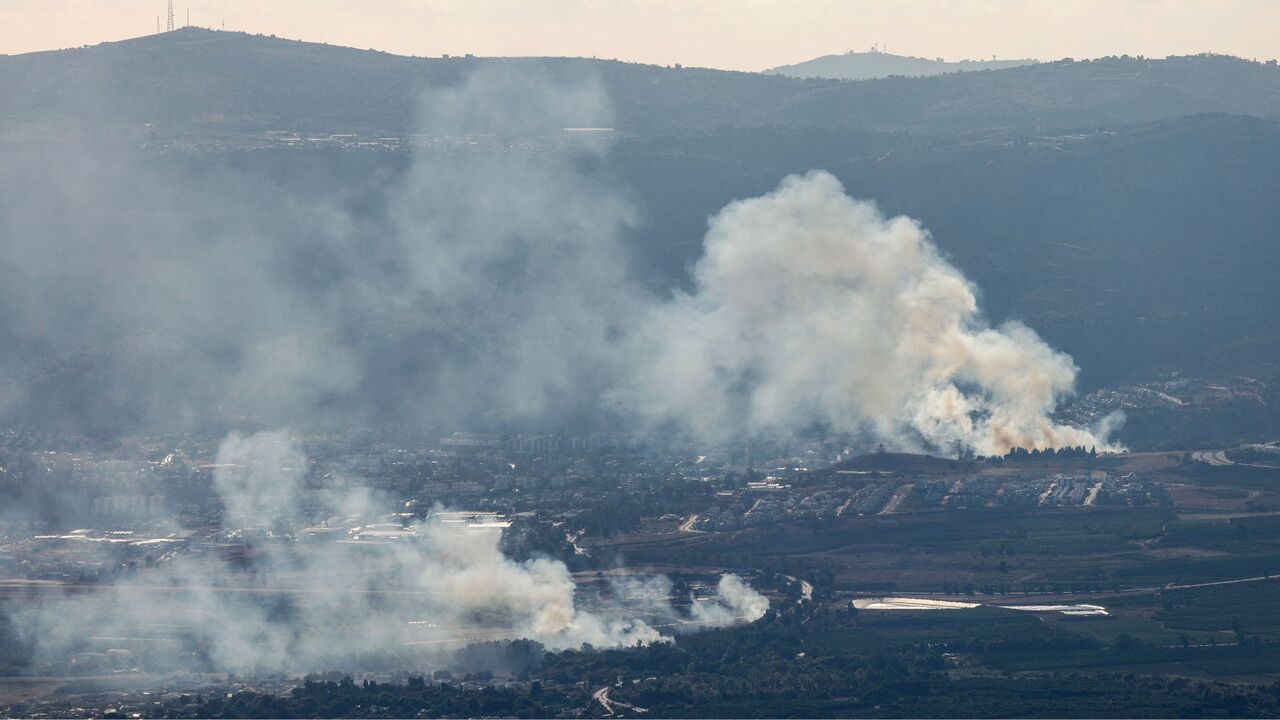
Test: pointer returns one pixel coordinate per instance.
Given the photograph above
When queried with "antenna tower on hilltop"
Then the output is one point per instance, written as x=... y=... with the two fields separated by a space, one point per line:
x=170 y=26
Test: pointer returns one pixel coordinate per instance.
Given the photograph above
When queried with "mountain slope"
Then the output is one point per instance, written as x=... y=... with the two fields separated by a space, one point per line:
x=209 y=82
x=1132 y=248
x=1144 y=237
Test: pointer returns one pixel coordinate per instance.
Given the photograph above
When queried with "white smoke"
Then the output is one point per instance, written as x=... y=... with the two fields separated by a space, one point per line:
x=258 y=479
x=356 y=586
x=491 y=288
x=508 y=266
x=812 y=307
x=517 y=248
x=735 y=601
x=441 y=290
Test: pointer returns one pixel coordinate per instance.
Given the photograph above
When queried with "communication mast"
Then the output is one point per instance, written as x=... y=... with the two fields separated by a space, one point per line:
x=170 y=27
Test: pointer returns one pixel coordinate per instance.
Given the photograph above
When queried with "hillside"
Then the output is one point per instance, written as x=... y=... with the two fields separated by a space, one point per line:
x=1120 y=246
x=210 y=82
x=1142 y=241
x=873 y=65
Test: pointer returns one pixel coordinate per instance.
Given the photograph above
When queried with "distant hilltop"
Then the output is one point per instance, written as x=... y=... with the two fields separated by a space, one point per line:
x=202 y=83
x=876 y=64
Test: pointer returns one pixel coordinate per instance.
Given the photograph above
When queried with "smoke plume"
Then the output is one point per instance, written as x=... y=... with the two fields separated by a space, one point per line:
x=734 y=601
x=810 y=307
x=361 y=584
x=484 y=283
x=153 y=291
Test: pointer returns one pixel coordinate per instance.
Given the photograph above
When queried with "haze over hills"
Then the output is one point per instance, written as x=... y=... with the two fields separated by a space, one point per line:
x=1116 y=245
x=341 y=384
x=195 y=80
x=877 y=64
x=1088 y=199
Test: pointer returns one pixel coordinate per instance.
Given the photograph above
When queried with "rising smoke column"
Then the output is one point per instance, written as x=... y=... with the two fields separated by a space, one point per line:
x=490 y=288
x=811 y=307
x=517 y=249
x=438 y=287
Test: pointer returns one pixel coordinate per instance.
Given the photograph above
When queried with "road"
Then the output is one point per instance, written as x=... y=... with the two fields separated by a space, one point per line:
x=1217 y=457
x=1257 y=578
x=602 y=696
x=910 y=603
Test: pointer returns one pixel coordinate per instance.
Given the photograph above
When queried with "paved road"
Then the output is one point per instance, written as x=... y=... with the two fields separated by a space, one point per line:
x=1219 y=458
x=602 y=696
x=1258 y=578
x=1172 y=585
x=1216 y=457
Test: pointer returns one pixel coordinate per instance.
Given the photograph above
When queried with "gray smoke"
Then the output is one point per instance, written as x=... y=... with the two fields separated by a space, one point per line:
x=152 y=291
x=812 y=307
x=360 y=583
x=487 y=284
x=523 y=243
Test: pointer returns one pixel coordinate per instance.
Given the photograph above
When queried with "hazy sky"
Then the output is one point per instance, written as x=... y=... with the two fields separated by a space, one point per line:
x=737 y=34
